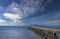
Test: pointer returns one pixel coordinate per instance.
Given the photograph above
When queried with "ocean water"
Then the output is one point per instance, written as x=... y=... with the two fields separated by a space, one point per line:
x=16 y=32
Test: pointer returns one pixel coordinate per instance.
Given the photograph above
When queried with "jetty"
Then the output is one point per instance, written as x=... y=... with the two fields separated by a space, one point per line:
x=45 y=33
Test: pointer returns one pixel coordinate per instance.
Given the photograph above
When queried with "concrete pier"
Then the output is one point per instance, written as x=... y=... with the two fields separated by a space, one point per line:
x=45 y=33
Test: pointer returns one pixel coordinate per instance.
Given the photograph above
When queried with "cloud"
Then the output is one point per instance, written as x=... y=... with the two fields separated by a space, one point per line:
x=13 y=17
x=14 y=8
x=28 y=7
x=52 y=23
x=1 y=20
x=13 y=13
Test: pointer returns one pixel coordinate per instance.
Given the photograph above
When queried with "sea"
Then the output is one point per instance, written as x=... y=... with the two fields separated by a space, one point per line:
x=16 y=32
x=20 y=32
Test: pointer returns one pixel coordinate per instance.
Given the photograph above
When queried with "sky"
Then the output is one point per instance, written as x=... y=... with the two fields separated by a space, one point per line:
x=26 y=12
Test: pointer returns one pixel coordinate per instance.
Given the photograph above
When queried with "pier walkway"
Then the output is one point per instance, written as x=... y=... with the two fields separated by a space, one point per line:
x=45 y=33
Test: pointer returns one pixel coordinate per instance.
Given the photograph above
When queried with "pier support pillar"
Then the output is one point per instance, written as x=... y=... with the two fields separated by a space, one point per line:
x=48 y=35
x=54 y=35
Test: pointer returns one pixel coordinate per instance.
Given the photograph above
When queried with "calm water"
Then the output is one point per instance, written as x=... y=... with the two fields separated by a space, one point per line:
x=16 y=33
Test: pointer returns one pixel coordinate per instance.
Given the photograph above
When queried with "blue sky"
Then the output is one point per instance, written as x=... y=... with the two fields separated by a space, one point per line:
x=26 y=12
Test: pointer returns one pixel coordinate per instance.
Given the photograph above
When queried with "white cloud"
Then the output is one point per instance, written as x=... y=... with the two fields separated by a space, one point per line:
x=13 y=13
x=1 y=20
x=30 y=7
x=16 y=12
x=15 y=9
x=13 y=17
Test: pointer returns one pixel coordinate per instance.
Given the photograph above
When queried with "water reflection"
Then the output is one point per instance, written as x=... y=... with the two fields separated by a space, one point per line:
x=17 y=34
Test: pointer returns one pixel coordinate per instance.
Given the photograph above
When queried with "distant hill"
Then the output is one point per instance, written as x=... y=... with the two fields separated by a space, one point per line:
x=35 y=25
x=44 y=26
x=38 y=25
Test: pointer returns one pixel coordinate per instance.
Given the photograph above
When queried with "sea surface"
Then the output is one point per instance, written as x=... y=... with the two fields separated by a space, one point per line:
x=16 y=32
